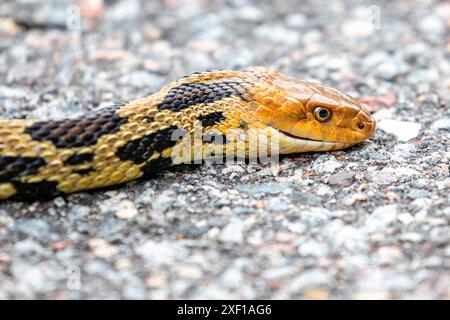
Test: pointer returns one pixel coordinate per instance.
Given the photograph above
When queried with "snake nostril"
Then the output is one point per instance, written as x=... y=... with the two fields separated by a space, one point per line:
x=361 y=125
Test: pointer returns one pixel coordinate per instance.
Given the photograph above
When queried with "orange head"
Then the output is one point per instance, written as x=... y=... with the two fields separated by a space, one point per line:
x=310 y=116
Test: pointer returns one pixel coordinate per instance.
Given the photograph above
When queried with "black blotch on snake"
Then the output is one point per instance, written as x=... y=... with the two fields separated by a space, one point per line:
x=79 y=158
x=35 y=191
x=84 y=172
x=77 y=132
x=14 y=167
x=141 y=149
x=189 y=94
x=156 y=165
x=211 y=119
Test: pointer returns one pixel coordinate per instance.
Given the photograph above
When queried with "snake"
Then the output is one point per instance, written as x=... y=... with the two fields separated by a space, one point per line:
x=225 y=110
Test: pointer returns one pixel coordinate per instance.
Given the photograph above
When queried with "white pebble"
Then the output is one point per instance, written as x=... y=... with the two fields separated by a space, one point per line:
x=233 y=232
x=403 y=130
x=126 y=210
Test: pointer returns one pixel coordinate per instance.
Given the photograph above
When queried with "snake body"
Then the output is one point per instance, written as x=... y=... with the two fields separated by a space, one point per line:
x=42 y=159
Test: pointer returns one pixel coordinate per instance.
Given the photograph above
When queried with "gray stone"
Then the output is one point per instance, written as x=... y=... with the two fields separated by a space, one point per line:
x=417 y=193
x=432 y=24
x=402 y=130
x=163 y=201
x=342 y=179
x=259 y=190
x=233 y=231
x=383 y=177
x=391 y=68
x=381 y=217
x=312 y=248
x=305 y=197
x=324 y=190
x=329 y=166
x=295 y=20
x=134 y=292
x=36 y=228
x=166 y=252
x=441 y=124
x=278 y=204
x=308 y=279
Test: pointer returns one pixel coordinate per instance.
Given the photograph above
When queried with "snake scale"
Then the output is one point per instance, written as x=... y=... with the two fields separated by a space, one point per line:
x=44 y=159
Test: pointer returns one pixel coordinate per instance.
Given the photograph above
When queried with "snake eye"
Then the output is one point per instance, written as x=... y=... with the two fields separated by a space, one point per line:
x=322 y=114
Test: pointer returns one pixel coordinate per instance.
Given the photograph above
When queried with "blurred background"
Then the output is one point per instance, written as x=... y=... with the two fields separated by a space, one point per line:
x=372 y=222
x=123 y=49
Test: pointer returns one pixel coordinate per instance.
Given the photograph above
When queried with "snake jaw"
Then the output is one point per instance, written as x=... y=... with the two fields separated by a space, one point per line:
x=289 y=143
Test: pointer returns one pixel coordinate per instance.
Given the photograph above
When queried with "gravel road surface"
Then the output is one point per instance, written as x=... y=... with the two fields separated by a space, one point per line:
x=372 y=221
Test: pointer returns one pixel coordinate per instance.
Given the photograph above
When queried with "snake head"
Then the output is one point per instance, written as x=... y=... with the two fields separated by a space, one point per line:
x=312 y=117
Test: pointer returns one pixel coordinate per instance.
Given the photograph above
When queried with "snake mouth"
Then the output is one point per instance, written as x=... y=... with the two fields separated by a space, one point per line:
x=290 y=143
x=290 y=135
